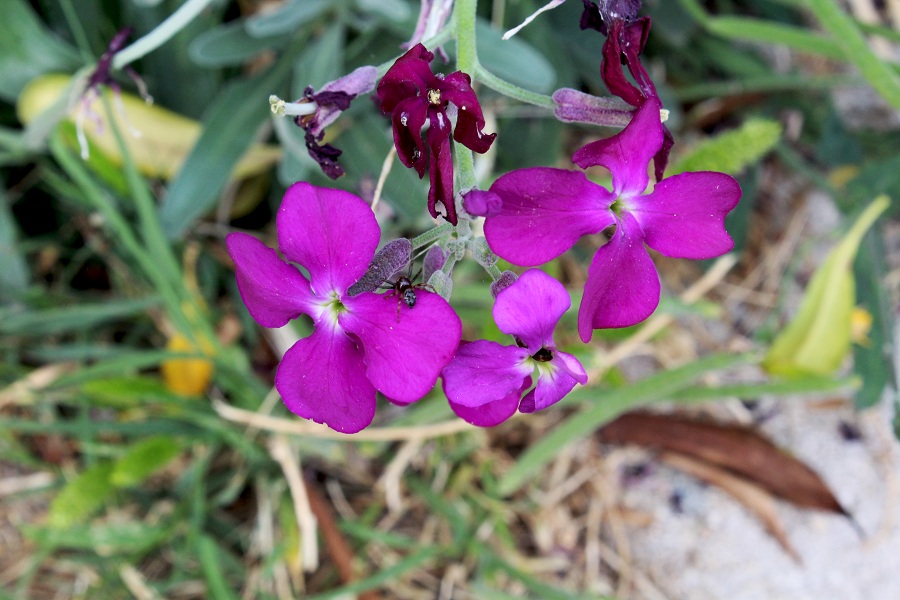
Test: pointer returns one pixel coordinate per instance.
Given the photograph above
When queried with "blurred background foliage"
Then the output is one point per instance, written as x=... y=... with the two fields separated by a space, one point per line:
x=130 y=372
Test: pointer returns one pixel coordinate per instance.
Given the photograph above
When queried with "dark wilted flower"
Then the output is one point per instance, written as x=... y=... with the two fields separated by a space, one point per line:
x=317 y=110
x=411 y=93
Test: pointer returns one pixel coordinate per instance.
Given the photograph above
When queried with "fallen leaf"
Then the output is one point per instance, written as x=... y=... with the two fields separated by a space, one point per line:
x=739 y=450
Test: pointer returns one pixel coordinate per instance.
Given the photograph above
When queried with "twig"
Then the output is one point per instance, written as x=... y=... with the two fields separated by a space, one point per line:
x=136 y=584
x=282 y=452
x=22 y=391
x=309 y=429
x=385 y=171
x=394 y=471
x=15 y=485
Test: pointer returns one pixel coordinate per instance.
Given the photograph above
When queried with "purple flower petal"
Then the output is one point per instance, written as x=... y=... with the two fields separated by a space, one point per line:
x=274 y=291
x=492 y=413
x=410 y=75
x=405 y=348
x=408 y=119
x=552 y=385
x=457 y=88
x=622 y=287
x=571 y=365
x=684 y=216
x=440 y=168
x=360 y=81
x=624 y=42
x=544 y=212
x=323 y=378
x=530 y=309
x=330 y=232
x=483 y=372
x=627 y=153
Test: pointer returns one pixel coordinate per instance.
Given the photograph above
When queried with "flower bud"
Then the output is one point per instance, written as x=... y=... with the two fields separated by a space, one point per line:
x=387 y=261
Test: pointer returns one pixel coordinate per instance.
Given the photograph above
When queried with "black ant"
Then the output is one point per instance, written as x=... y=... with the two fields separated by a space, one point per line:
x=405 y=289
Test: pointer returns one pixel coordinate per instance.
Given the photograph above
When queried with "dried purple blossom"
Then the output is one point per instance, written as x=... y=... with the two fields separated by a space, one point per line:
x=316 y=110
x=411 y=93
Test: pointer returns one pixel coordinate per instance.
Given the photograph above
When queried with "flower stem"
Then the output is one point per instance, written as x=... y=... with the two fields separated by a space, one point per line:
x=431 y=236
x=511 y=90
x=161 y=34
x=466 y=49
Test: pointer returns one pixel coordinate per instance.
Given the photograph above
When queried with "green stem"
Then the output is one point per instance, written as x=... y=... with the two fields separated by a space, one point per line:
x=466 y=46
x=431 y=236
x=511 y=90
x=77 y=30
x=162 y=33
x=464 y=169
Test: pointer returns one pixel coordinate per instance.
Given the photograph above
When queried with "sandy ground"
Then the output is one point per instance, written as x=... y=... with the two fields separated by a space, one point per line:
x=702 y=544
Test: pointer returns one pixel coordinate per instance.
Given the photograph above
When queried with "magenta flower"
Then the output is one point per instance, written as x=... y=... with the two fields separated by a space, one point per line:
x=545 y=211
x=410 y=93
x=360 y=344
x=485 y=380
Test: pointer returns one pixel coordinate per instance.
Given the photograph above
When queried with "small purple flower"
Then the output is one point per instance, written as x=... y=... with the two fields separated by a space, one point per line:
x=360 y=344
x=410 y=93
x=485 y=380
x=545 y=211
x=316 y=110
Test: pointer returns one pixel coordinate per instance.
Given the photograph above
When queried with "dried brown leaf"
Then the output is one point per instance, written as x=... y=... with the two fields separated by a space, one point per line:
x=736 y=449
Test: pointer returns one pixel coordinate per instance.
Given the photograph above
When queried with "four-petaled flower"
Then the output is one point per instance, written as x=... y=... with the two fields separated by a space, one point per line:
x=410 y=93
x=545 y=211
x=485 y=380
x=360 y=344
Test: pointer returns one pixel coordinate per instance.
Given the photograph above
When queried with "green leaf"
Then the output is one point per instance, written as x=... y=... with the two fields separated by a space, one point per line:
x=81 y=496
x=14 y=275
x=767 y=32
x=605 y=406
x=873 y=362
x=818 y=338
x=28 y=50
x=128 y=392
x=105 y=539
x=143 y=459
x=321 y=61
x=217 y=587
x=394 y=572
x=287 y=18
x=733 y=151
x=227 y=133
x=70 y=318
x=857 y=50
x=514 y=60
x=230 y=44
